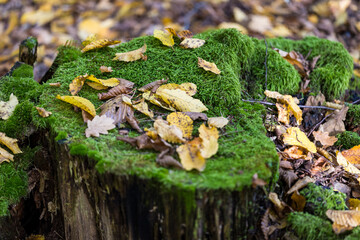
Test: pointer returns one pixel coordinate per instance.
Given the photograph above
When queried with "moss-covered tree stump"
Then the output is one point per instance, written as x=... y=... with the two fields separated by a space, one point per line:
x=109 y=190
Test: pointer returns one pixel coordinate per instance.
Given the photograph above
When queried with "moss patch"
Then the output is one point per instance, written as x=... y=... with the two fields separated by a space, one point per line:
x=24 y=71
x=353 y=115
x=347 y=140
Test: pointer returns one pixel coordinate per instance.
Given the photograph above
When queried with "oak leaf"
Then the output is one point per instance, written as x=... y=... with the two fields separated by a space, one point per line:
x=209 y=141
x=169 y=133
x=208 y=66
x=165 y=37
x=343 y=220
x=192 y=43
x=190 y=156
x=218 y=122
x=99 y=44
x=80 y=102
x=42 y=112
x=11 y=143
x=352 y=155
x=324 y=138
x=7 y=108
x=295 y=137
x=182 y=121
x=99 y=125
x=335 y=123
x=131 y=55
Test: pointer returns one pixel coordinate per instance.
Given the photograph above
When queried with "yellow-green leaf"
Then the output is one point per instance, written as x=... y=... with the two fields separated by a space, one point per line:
x=80 y=102
x=99 y=44
x=165 y=37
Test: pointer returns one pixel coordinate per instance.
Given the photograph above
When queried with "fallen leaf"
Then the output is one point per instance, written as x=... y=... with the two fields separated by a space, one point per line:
x=5 y=156
x=57 y=84
x=301 y=183
x=298 y=201
x=131 y=55
x=335 y=123
x=197 y=116
x=208 y=66
x=97 y=86
x=190 y=156
x=157 y=100
x=89 y=39
x=179 y=100
x=11 y=143
x=99 y=125
x=354 y=204
x=192 y=43
x=218 y=122
x=115 y=91
x=182 y=121
x=7 y=108
x=169 y=133
x=295 y=152
x=86 y=116
x=42 y=112
x=145 y=142
x=76 y=84
x=166 y=160
x=99 y=44
x=324 y=138
x=80 y=102
x=153 y=85
x=257 y=182
x=343 y=220
x=165 y=37
x=111 y=82
x=104 y=69
x=352 y=155
x=294 y=59
x=283 y=113
x=185 y=34
x=209 y=141
x=295 y=137
x=143 y=108
x=189 y=88
x=342 y=161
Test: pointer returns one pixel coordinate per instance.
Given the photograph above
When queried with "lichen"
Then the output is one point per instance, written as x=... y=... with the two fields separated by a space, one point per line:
x=347 y=140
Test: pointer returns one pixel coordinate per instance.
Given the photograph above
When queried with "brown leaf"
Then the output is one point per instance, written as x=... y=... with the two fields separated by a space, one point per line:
x=335 y=123
x=152 y=85
x=115 y=91
x=256 y=181
x=294 y=59
x=324 y=138
x=166 y=160
x=131 y=55
x=185 y=34
x=298 y=201
x=300 y=184
x=57 y=84
x=145 y=142
x=197 y=116
x=99 y=44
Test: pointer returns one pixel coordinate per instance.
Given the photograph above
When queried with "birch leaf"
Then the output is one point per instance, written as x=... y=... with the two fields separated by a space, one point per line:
x=192 y=43
x=99 y=44
x=7 y=108
x=208 y=66
x=295 y=137
x=182 y=121
x=181 y=101
x=11 y=143
x=96 y=86
x=111 y=82
x=80 y=102
x=99 y=125
x=209 y=141
x=190 y=156
x=171 y=134
x=165 y=37
x=131 y=55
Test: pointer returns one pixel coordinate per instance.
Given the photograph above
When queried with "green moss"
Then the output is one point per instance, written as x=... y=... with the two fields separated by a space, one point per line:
x=31 y=42
x=310 y=227
x=67 y=54
x=347 y=139
x=320 y=199
x=24 y=71
x=61 y=136
x=353 y=115
x=355 y=234
x=79 y=149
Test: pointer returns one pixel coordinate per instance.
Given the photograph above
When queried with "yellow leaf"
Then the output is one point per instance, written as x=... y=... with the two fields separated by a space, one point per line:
x=181 y=101
x=91 y=38
x=283 y=113
x=189 y=88
x=352 y=155
x=151 y=132
x=190 y=156
x=157 y=100
x=7 y=108
x=192 y=43
x=80 y=102
x=171 y=134
x=99 y=44
x=111 y=82
x=5 y=156
x=143 y=108
x=97 y=86
x=182 y=121
x=209 y=141
x=354 y=204
x=295 y=152
x=343 y=220
x=131 y=55
x=11 y=143
x=295 y=137
x=342 y=161
x=42 y=112
x=76 y=84
x=165 y=37
x=218 y=122
x=208 y=66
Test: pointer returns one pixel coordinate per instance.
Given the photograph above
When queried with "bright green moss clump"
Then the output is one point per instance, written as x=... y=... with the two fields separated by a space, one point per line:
x=24 y=71
x=347 y=140
x=353 y=115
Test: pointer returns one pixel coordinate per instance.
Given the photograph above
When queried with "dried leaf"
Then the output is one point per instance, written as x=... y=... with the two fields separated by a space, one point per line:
x=301 y=183
x=298 y=201
x=182 y=121
x=143 y=108
x=343 y=220
x=80 y=102
x=96 y=86
x=218 y=122
x=257 y=182
x=166 y=160
x=195 y=116
x=294 y=59
x=165 y=37
x=208 y=66
x=89 y=39
x=190 y=156
x=179 y=100
x=99 y=125
x=5 y=156
x=192 y=43
x=115 y=91
x=42 y=112
x=152 y=85
x=283 y=113
x=145 y=142
x=335 y=123
x=11 y=143
x=189 y=88
x=295 y=137
x=295 y=152
x=171 y=134
x=209 y=140
x=7 y=108
x=354 y=204
x=76 y=84
x=185 y=34
x=111 y=82
x=352 y=155
x=324 y=138
x=131 y=55
x=342 y=161
x=99 y=44
x=104 y=69
x=157 y=100
x=116 y=109
x=57 y=84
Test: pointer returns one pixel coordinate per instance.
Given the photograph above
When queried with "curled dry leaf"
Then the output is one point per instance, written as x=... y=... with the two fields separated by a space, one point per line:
x=185 y=34
x=218 y=122
x=7 y=108
x=131 y=55
x=99 y=44
x=11 y=143
x=169 y=133
x=79 y=102
x=99 y=125
x=301 y=183
x=324 y=138
x=76 y=84
x=209 y=141
x=294 y=59
x=295 y=152
x=57 y=84
x=190 y=156
x=208 y=66
x=182 y=121
x=192 y=43
x=197 y=116
x=104 y=69
x=343 y=220
x=42 y=112
x=5 y=156
x=166 y=160
x=115 y=91
x=89 y=39
x=152 y=85
x=348 y=167
x=165 y=37
x=295 y=137
x=335 y=123
x=145 y=142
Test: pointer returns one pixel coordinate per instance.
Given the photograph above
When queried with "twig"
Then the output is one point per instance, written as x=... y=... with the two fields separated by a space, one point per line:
x=318 y=124
x=355 y=102
x=301 y=106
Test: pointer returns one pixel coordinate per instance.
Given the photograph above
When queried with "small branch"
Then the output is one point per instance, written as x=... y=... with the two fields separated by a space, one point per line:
x=356 y=102
x=300 y=106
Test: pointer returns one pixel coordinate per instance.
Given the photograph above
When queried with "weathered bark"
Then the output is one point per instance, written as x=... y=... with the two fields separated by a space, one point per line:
x=109 y=206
